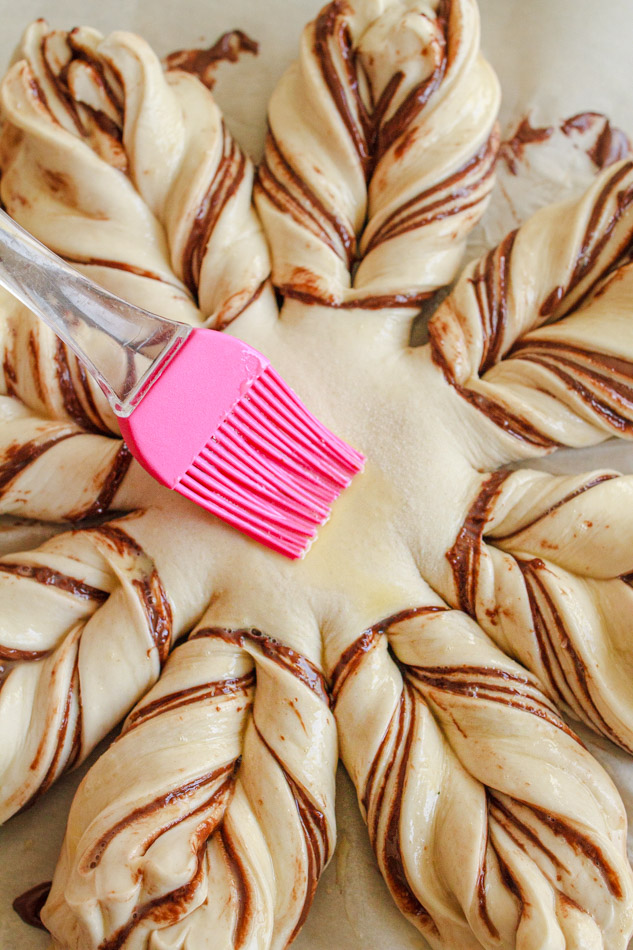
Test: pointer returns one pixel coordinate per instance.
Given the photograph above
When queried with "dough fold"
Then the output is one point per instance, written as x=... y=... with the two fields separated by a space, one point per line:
x=491 y=823
x=380 y=154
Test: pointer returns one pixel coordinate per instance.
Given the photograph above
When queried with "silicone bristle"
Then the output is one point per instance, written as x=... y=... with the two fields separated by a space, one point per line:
x=271 y=469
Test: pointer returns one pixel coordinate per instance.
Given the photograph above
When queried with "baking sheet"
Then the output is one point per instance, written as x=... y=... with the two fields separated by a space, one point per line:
x=554 y=58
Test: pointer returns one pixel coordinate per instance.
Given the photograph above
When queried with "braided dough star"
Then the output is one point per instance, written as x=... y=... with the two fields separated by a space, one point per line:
x=449 y=607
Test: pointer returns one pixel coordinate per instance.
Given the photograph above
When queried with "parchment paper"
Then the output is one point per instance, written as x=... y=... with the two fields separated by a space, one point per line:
x=554 y=58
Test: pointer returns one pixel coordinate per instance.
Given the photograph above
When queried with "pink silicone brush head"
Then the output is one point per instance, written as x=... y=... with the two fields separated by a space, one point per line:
x=221 y=427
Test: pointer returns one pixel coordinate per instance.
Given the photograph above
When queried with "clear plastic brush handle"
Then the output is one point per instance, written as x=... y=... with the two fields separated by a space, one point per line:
x=123 y=347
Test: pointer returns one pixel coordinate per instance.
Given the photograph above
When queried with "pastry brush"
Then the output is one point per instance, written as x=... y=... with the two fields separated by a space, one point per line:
x=206 y=414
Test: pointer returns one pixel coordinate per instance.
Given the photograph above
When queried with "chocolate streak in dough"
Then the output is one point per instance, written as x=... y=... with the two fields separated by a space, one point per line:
x=203 y=62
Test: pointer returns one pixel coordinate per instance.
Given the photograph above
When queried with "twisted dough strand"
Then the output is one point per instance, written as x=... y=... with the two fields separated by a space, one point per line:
x=98 y=629
x=544 y=564
x=389 y=117
x=210 y=819
x=98 y=137
x=36 y=455
x=491 y=823
x=38 y=370
x=87 y=183
x=567 y=382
